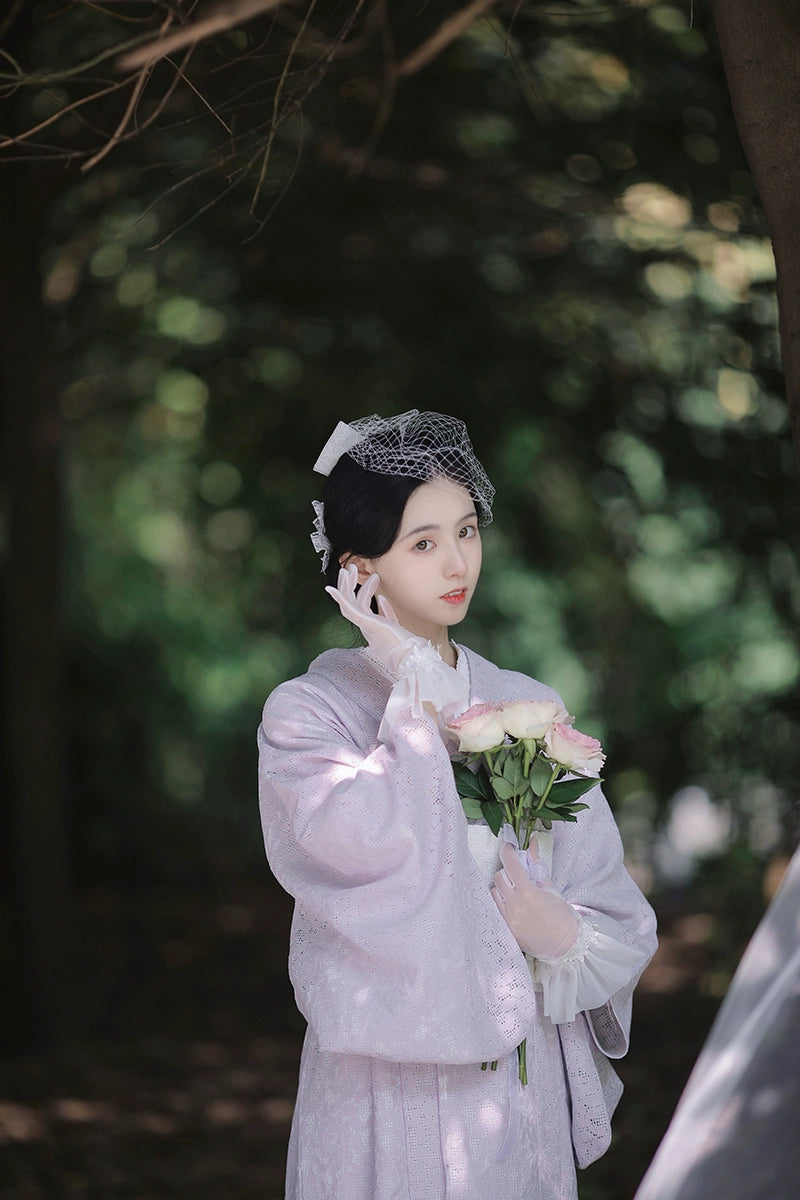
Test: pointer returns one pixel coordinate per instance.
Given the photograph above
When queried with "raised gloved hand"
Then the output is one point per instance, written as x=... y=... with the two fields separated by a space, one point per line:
x=543 y=923
x=428 y=681
x=386 y=637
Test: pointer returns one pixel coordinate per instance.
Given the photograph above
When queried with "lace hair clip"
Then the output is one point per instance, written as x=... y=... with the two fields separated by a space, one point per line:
x=343 y=438
x=319 y=538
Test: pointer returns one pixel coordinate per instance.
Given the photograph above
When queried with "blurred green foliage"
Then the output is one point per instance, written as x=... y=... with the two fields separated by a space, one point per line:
x=557 y=239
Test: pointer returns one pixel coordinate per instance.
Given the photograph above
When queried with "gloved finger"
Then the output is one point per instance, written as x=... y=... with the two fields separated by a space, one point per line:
x=347 y=579
x=539 y=874
x=337 y=595
x=537 y=870
x=499 y=901
x=386 y=610
x=367 y=591
x=508 y=836
x=512 y=867
x=503 y=883
x=511 y=890
x=344 y=592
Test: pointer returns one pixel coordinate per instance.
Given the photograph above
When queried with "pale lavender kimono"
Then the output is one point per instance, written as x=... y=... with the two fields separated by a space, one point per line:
x=407 y=974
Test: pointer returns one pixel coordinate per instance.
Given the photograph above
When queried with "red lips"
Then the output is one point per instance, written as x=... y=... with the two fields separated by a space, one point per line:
x=456 y=597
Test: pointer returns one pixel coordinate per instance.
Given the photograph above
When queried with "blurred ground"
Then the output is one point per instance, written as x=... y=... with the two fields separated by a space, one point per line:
x=185 y=1086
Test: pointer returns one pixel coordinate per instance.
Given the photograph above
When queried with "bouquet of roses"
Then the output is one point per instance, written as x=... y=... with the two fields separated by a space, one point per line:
x=515 y=757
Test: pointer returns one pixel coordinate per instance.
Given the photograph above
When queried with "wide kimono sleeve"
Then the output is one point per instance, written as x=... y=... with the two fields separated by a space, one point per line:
x=397 y=948
x=618 y=927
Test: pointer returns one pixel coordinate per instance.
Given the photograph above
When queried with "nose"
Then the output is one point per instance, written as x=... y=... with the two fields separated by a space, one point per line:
x=456 y=564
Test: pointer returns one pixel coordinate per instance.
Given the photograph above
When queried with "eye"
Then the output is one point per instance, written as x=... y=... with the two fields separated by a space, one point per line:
x=469 y=531
x=424 y=544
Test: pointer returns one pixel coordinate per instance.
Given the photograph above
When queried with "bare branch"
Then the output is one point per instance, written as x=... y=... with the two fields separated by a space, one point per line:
x=447 y=32
x=157 y=111
x=324 y=62
x=275 y=103
x=62 y=112
x=125 y=18
x=39 y=79
x=180 y=75
x=11 y=16
x=316 y=44
x=226 y=16
x=423 y=174
x=281 y=194
x=238 y=175
x=388 y=87
x=116 y=136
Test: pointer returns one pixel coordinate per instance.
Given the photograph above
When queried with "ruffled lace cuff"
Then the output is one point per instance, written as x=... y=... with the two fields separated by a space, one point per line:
x=594 y=968
x=423 y=684
x=418 y=658
x=406 y=660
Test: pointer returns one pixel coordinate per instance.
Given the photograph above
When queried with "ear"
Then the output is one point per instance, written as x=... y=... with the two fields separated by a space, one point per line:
x=364 y=565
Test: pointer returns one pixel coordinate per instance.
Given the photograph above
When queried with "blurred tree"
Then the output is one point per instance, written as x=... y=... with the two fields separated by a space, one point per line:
x=250 y=67
x=759 y=49
x=556 y=237
x=34 y=842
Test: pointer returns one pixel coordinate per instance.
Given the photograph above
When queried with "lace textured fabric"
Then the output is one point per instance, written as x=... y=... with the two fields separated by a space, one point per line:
x=406 y=972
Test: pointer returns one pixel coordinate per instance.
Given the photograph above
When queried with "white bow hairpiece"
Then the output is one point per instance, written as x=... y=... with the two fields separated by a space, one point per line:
x=343 y=438
x=319 y=538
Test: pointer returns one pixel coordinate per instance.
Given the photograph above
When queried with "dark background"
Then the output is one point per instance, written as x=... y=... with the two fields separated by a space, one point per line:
x=549 y=230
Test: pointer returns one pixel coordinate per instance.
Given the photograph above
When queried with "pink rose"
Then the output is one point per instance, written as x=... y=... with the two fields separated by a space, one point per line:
x=479 y=728
x=574 y=750
x=533 y=718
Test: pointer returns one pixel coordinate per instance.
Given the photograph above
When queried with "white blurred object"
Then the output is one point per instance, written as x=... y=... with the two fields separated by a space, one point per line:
x=735 y=1130
x=697 y=828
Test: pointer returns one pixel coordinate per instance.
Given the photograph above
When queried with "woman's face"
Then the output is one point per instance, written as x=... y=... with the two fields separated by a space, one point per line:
x=429 y=574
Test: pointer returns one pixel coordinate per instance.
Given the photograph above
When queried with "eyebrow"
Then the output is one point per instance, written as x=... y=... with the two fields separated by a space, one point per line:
x=431 y=528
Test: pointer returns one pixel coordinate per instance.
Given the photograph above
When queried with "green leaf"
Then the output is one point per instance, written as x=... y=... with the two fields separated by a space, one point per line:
x=540 y=775
x=472 y=785
x=550 y=814
x=570 y=789
x=501 y=787
x=509 y=768
x=499 y=759
x=529 y=796
x=472 y=808
x=493 y=814
x=513 y=773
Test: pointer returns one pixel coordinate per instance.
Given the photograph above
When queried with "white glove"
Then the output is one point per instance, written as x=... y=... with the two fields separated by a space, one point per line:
x=386 y=637
x=543 y=923
x=425 y=680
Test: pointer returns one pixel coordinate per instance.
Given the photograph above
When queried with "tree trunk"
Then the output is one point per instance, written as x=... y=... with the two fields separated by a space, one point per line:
x=34 y=833
x=760 y=45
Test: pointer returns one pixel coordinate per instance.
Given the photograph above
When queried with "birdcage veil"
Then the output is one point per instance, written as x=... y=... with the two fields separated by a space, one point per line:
x=413 y=444
x=420 y=445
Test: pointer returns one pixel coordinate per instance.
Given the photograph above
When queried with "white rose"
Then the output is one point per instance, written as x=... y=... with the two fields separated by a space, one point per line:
x=533 y=718
x=574 y=750
x=479 y=728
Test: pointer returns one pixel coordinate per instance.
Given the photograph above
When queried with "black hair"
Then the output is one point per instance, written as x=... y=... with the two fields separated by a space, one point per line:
x=364 y=510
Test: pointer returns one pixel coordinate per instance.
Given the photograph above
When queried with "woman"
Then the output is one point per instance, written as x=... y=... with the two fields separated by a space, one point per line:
x=402 y=953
